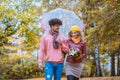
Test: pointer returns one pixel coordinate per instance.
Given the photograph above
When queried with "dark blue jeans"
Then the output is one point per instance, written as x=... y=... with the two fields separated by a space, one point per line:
x=53 y=69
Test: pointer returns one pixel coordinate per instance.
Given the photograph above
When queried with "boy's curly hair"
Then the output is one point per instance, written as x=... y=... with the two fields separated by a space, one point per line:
x=55 y=21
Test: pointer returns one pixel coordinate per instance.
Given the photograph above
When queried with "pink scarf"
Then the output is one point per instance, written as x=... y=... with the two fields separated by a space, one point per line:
x=55 y=35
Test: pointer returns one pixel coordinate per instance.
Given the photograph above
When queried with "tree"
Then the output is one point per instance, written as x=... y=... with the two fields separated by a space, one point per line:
x=22 y=25
x=97 y=61
x=118 y=62
x=105 y=15
x=112 y=64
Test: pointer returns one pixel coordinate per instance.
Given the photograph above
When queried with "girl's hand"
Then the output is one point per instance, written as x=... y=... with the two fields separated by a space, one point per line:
x=77 y=59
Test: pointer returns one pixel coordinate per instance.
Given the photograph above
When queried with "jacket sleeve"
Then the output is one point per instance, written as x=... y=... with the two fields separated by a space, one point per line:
x=42 y=51
x=64 y=45
x=83 y=55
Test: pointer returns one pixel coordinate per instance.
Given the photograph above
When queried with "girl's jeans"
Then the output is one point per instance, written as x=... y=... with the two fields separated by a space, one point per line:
x=53 y=69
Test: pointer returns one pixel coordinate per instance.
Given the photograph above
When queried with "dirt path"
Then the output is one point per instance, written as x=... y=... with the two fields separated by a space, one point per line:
x=93 y=78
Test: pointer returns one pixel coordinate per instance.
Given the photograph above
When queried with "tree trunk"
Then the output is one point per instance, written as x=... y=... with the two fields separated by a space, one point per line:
x=118 y=62
x=98 y=67
x=112 y=64
x=93 y=68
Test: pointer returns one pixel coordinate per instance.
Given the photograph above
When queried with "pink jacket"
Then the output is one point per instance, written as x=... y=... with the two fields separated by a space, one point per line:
x=47 y=52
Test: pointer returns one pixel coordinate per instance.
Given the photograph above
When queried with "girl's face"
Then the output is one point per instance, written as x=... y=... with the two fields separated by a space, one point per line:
x=74 y=34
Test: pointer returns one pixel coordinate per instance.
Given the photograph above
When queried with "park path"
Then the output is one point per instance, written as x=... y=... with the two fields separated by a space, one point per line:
x=93 y=78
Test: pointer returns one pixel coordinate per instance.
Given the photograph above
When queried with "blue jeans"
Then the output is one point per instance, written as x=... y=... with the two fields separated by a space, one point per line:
x=53 y=69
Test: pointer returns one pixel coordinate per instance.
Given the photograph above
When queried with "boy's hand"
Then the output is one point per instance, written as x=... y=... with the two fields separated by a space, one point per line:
x=41 y=68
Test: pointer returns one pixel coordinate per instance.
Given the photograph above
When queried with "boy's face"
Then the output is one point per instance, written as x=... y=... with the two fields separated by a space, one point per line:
x=55 y=28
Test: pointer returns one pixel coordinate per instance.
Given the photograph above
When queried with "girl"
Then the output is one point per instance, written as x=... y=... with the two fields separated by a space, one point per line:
x=77 y=51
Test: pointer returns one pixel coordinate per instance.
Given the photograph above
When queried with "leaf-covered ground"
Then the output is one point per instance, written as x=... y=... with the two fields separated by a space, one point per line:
x=93 y=78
